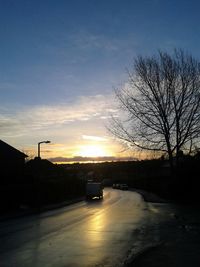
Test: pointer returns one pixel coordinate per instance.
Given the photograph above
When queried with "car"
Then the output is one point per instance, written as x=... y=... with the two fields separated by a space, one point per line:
x=114 y=186
x=117 y=186
x=124 y=187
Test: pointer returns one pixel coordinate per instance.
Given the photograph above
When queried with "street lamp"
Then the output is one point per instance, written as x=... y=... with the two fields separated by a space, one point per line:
x=42 y=142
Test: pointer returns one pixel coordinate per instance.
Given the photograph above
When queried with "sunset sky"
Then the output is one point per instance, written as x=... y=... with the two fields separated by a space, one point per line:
x=60 y=60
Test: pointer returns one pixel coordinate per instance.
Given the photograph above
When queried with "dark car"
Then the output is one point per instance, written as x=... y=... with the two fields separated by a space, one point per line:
x=124 y=187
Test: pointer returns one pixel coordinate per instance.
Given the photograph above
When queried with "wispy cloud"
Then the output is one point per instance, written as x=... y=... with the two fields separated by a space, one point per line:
x=87 y=40
x=94 y=138
x=26 y=120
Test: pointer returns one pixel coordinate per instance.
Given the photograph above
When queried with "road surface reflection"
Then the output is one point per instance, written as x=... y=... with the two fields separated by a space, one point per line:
x=86 y=234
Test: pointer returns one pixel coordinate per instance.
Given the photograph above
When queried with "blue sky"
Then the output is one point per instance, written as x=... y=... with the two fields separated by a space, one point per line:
x=60 y=60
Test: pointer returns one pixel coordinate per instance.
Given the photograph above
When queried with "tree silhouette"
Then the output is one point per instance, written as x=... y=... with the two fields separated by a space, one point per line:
x=161 y=104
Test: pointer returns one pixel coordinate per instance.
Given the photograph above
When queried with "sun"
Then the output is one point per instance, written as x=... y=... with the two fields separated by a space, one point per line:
x=92 y=151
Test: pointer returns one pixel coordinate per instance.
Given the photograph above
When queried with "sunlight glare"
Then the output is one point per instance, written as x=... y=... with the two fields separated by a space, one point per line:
x=92 y=151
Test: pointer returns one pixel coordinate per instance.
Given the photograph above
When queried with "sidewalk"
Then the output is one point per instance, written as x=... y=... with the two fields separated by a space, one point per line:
x=180 y=246
x=178 y=252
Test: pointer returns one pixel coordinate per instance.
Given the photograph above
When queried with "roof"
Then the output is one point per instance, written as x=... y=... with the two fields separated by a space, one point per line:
x=7 y=151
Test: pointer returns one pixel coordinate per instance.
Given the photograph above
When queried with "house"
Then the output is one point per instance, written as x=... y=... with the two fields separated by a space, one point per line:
x=12 y=161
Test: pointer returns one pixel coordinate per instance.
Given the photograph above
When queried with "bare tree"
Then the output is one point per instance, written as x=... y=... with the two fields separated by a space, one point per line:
x=161 y=103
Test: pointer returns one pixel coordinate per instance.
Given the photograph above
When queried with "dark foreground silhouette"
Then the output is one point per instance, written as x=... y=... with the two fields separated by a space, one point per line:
x=41 y=182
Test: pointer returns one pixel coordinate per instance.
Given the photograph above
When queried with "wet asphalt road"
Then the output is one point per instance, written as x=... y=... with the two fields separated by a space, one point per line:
x=86 y=234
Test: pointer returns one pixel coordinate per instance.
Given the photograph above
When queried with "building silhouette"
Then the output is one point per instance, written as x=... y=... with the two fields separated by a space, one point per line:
x=12 y=163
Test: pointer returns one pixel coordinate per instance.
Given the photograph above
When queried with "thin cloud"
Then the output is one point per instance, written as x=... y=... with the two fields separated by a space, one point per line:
x=94 y=138
x=86 y=40
x=50 y=120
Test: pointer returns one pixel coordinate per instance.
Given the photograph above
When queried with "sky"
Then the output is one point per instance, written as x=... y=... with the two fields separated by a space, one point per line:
x=61 y=60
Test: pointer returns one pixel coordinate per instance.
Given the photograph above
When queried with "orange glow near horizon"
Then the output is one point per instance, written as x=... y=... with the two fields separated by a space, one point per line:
x=94 y=150
x=83 y=149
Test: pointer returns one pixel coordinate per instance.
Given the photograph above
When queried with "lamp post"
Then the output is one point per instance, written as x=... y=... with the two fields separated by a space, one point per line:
x=38 y=176
x=42 y=142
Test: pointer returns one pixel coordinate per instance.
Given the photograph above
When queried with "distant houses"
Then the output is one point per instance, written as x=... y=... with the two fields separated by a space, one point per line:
x=11 y=162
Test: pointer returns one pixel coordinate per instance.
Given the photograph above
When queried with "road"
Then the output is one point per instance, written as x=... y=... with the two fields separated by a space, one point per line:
x=86 y=234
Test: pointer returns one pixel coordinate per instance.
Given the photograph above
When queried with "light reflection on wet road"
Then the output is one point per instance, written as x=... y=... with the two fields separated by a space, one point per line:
x=86 y=234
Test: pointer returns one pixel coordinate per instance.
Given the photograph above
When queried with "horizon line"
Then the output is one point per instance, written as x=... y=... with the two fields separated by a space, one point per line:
x=77 y=159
